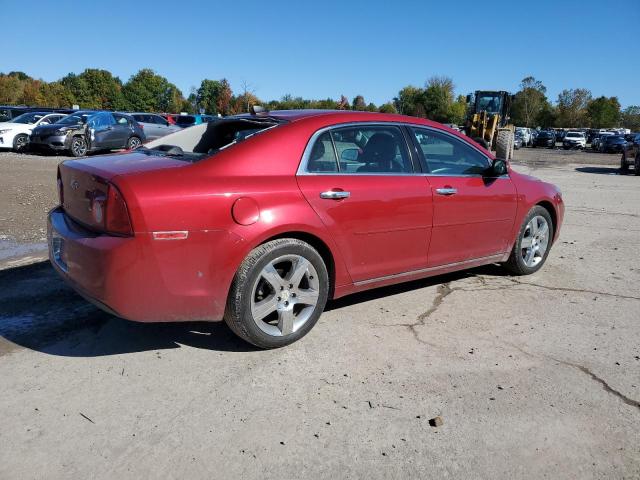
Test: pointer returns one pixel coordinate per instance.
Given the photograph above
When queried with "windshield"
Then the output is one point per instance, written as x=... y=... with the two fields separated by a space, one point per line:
x=75 y=119
x=489 y=102
x=574 y=135
x=545 y=134
x=185 y=120
x=28 y=118
x=208 y=139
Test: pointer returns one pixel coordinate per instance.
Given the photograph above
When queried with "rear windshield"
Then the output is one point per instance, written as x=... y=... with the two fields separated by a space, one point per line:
x=207 y=139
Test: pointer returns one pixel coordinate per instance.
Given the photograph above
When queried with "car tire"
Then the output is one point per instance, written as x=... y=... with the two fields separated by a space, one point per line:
x=624 y=166
x=533 y=243
x=636 y=166
x=133 y=143
x=263 y=307
x=20 y=142
x=78 y=146
x=504 y=143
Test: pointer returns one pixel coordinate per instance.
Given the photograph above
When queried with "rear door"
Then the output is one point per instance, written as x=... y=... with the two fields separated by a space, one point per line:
x=362 y=183
x=102 y=130
x=122 y=131
x=473 y=215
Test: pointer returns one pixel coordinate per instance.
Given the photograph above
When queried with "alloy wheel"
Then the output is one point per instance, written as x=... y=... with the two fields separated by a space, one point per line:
x=285 y=295
x=134 y=143
x=535 y=241
x=78 y=147
x=21 y=142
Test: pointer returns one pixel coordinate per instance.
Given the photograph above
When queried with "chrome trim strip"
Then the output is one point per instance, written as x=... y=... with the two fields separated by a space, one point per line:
x=428 y=269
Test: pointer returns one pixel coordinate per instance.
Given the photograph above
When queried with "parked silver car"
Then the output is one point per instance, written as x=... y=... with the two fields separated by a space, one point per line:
x=154 y=126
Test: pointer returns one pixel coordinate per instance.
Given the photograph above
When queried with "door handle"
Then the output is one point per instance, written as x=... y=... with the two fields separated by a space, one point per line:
x=335 y=195
x=446 y=191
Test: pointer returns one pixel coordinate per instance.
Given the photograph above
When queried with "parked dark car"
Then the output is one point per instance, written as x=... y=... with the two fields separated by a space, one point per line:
x=631 y=153
x=546 y=138
x=89 y=131
x=612 y=144
x=518 y=142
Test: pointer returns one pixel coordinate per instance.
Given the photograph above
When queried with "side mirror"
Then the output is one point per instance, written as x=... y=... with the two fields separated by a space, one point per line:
x=497 y=168
x=349 y=155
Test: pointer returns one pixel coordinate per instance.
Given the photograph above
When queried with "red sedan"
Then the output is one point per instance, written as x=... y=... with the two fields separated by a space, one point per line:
x=260 y=219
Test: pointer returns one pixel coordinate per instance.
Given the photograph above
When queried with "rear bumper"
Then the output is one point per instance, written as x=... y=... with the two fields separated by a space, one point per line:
x=140 y=279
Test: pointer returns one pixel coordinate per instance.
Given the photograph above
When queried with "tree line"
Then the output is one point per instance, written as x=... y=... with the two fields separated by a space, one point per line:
x=148 y=91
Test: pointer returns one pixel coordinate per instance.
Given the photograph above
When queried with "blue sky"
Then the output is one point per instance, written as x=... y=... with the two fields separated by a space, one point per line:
x=328 y=48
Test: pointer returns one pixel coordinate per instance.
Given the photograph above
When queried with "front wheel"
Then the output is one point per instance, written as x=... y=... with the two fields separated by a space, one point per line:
x=533 y=243
x=78 y=147
x=278 y=293
x=20 y=142
x=636 y=166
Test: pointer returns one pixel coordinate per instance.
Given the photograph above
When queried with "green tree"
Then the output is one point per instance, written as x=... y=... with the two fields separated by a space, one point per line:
x=438 y=98
x=529 y=101
x=604 y=112
x=458 y=110
x=388 y=107
x=149 y=92
x=572 y=107
x=409 y=101
x=631 y=118
x=11 y=88
x=96 y=89
x=547 y=117
x=207 y=95
x=359 y=103
x=223 y=102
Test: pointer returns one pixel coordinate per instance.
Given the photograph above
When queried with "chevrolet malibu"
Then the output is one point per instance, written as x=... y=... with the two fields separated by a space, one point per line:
x=260 y=219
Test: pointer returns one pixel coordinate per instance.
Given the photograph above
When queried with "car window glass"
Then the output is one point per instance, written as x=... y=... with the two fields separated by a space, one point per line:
x=371 y=149
x=323 y=157
x=121 y=120
x=101 y=121
x=158 y=120
x=449 y=156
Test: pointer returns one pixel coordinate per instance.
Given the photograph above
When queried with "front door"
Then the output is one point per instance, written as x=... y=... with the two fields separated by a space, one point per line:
x=473 y=214
x=377 y=209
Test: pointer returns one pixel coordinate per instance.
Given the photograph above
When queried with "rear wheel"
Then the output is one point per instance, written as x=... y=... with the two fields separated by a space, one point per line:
x=20 y=142
x=504 y=144
x=78 y=146
x=278 y=293
x=133 y=143
x=624 y=166
x=533 y=243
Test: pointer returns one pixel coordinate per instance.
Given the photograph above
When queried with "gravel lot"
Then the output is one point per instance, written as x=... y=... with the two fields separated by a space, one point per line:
x=534 y=377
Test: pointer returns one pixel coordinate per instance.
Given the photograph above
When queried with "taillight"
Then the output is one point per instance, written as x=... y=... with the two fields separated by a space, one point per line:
x=60 y=188
x=116 y=215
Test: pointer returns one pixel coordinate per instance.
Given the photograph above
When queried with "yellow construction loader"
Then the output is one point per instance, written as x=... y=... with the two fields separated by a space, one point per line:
x=488 y=121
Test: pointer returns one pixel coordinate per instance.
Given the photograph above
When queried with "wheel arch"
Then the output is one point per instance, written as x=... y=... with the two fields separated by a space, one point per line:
x=548 y=206
x=317 y=243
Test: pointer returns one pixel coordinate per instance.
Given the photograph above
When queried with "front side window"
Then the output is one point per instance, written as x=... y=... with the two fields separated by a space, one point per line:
x=101 y=121
x=446 y=155
x=121 y=119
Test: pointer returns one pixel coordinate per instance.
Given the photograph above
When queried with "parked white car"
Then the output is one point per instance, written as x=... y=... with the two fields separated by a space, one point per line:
x=15 y=134
x=526 y=134
x=574 y=139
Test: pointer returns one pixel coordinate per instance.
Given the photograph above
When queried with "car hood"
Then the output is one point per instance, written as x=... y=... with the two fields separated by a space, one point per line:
x=15 y=126
x=129 y=162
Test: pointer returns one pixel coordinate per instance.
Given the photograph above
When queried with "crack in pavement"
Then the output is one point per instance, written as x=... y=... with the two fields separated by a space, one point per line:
x=575 y=290
x=605 y=386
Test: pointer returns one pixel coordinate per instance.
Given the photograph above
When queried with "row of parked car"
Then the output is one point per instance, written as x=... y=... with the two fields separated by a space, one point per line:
x=84 y=131
x=600 y=140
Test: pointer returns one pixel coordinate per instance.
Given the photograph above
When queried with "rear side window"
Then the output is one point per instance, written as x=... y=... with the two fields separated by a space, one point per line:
x=446 y=155
x=323 y=157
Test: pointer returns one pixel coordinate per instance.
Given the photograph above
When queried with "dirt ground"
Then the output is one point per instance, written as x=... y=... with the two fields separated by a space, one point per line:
x=534 y=377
